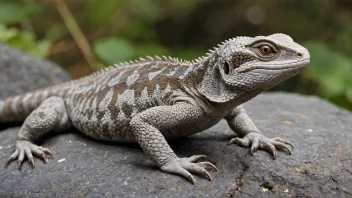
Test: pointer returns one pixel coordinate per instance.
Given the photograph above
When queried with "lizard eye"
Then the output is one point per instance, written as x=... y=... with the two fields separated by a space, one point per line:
x=265 y=49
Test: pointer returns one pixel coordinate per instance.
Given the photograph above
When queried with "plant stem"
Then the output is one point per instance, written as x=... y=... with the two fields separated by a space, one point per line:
x=77 y=34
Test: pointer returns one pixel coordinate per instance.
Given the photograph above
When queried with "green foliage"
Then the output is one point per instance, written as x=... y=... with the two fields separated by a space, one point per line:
x=13 y=13
x=122 y=30
x=113 y=50
x=56 y=32
x=331 y=70
x=23 y=40
x=151 y=49
x=99 y=12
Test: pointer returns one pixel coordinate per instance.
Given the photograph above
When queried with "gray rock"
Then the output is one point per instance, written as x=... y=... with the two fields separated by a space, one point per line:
x=20 y=72
x=320 y=165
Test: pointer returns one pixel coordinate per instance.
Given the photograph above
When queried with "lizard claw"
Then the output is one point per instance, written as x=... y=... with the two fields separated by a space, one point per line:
x=42 y=156
x=257 y=140
x=32 y=162
x=27 y=148
x=208 y=164
x=47 y=151
x=20 y=164
x=183 y=167
x=12 y=158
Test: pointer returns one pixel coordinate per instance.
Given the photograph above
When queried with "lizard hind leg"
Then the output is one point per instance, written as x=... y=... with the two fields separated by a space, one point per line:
x=50 y=115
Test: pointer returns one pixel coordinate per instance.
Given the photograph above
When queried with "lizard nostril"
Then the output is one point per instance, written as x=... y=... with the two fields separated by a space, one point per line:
x=299 y=54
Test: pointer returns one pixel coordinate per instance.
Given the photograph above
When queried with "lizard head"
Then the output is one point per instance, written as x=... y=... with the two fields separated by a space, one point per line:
x=243 y=67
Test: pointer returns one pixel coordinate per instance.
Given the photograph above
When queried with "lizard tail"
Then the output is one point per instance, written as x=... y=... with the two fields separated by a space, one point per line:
x=17 y=108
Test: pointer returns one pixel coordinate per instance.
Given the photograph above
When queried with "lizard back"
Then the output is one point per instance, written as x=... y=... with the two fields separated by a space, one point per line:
x=103 y=106
x=115 y=93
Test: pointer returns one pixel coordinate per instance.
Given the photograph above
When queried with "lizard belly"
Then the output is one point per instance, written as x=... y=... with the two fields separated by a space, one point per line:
x=107 y=118
x=191 y=128
x=108 y=128
x=111 y=121
x=109 y=124
x=104 y=126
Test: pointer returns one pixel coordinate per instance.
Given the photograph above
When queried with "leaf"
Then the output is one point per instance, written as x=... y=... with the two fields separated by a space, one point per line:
x=23 y=40
x=11 y=13
x=32 y=8
x=349 y=94
x=6 y=34
x=56 y=32
x=330 y=68
x=40 y=48
x=113 y=50
x=99 y=12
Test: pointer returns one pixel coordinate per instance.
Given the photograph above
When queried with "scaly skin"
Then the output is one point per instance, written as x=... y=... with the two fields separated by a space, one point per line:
x=157 y=98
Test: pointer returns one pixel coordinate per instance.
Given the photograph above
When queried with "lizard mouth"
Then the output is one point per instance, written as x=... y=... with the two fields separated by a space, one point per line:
x=279 y=67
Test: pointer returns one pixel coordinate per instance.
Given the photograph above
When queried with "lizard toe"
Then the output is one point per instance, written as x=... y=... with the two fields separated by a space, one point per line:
x=25 y=148
x=186 y=166
x=267 y=145
x=208 y=165
x=177 y=169
x=13 y=157
x=258 y=141
x=255 y=146
x=20 y=158
x=282 y=146
x=195 y=158
x=197 y=169
x=240 y=141
x=277 y=139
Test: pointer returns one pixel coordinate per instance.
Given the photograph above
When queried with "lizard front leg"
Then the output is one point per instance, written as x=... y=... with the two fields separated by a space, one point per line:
x=50 y=115
x=146 y=127
x=241 y=123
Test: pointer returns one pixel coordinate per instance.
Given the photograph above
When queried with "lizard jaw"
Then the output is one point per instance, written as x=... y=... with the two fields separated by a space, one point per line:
x=278 y=68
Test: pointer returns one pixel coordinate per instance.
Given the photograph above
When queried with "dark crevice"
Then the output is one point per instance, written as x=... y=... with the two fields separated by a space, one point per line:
x=240 y=182
x=267 y=185
x=7 y=125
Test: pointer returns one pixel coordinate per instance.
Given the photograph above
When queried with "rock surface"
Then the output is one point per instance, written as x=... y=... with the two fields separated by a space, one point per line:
x=20 y=72
x=320 y=165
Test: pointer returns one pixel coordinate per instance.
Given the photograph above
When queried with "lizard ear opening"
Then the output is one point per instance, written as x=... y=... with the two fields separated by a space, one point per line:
x=226 y=68
x=214 y=87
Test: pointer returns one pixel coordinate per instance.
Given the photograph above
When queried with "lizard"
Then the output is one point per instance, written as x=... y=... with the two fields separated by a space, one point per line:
x=156 y=98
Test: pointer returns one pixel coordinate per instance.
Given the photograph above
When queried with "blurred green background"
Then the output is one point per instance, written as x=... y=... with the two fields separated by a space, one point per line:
x=119 y=30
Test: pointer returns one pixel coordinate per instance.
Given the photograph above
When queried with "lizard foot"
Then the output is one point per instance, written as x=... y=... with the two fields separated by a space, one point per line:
x=257 y=140
x=26 y=148
x=181 y=166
